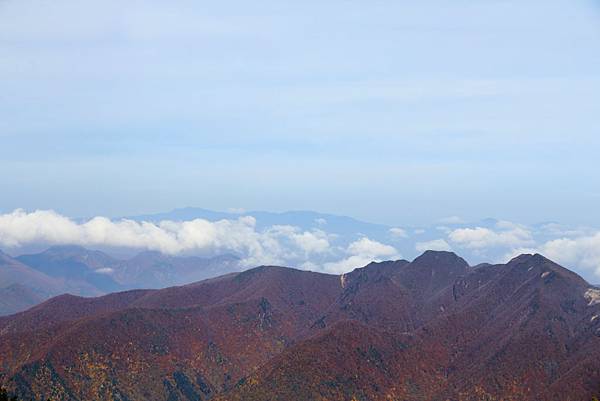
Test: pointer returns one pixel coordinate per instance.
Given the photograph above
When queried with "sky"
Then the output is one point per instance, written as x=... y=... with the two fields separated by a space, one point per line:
x=394 y=112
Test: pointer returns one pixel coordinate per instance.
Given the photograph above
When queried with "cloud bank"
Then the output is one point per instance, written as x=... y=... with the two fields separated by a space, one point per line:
x=507 y=235
x=310 y=247
x=582 y=251
x=276 y=245
x=577 y=249
x=361 y=253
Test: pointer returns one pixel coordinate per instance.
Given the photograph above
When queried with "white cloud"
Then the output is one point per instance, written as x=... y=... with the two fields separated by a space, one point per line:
x=280 y=244
x=582 y=252
x=507 y=235
x=559 y=230
x=365 y=246
x=292 y=246
x=513 y=253
x=361 y=253
x=348 y=264
x=398 y=232
x=104 y=270
x=321 y=221
x=276 y=245
x=452 y=220
x=508 y=225
x=434 y=245
x=310 y=242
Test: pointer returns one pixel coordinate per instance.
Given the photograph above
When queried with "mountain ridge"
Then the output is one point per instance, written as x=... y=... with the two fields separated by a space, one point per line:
x=426 y=329
x=80 y=271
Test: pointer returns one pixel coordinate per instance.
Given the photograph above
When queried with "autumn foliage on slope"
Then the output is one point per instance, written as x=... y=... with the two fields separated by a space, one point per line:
x=431 y=329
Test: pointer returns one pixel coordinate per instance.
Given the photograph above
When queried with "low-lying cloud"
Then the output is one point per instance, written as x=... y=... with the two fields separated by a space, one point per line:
x=506 y=234
x=583 y=252
x=577 y=249
x=311 y=247
x=361 y=253
x=398 y=232
x=276 y=245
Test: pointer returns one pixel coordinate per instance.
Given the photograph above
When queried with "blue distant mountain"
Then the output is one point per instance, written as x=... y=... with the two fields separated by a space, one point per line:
x=302 y=218
x=409 y=241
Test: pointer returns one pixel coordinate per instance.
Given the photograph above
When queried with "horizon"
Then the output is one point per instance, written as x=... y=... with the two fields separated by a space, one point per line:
x=429 y=251
x=306 y=240
x=313 y=270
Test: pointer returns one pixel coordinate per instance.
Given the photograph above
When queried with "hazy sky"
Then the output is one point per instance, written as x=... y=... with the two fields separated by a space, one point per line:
x=392 y=111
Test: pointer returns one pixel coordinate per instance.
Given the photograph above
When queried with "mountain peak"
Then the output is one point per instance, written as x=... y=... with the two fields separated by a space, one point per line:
x=531 y=261
x=440 y=259
x=266 y=269
x=376 y=268
x=545 y=268
x=432 y=271
x=149 y=255
x=62 y=249
x=530 y=258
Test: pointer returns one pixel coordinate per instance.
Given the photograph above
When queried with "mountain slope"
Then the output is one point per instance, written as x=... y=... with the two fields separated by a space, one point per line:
x=93 y=272
x=350 y=361
x=85 y=270
x=521 y=331
x=156 y=270
x=165 y=340
x=431 y=329
x=29 y=279
x=17 y=297
x=22 y=287
x=342 y=225
x=14 y=272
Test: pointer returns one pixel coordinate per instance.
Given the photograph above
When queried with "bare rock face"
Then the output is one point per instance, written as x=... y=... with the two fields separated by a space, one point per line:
x=431 y=329
x=593 y=296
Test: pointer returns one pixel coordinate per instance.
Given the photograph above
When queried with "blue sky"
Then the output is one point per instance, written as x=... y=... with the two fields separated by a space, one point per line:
x=391 y=111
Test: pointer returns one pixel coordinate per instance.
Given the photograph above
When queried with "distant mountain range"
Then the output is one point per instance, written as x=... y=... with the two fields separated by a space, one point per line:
x=345 y=228
x=431 y=329
x=304 y=239
x=300 y=218
x=29 y=279
x=487 y=239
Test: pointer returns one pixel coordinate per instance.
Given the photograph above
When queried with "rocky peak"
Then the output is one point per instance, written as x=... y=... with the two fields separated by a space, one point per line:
x=440 y=260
